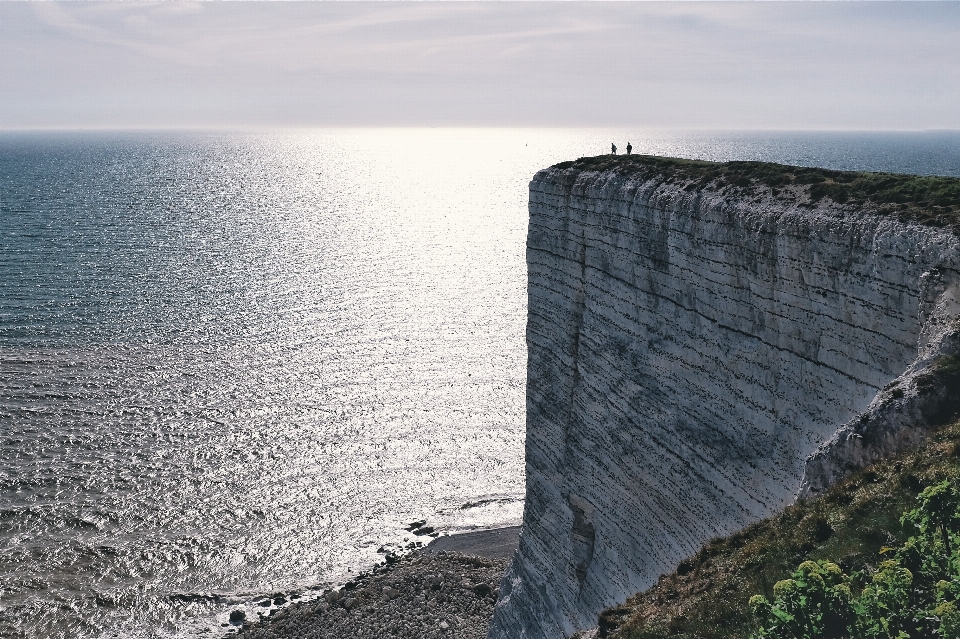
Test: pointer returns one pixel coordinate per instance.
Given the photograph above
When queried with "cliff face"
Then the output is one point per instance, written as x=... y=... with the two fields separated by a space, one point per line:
x=690 y=347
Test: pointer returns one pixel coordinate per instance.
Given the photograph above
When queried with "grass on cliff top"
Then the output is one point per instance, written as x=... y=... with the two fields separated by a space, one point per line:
x=707 y=597
x=928 y=200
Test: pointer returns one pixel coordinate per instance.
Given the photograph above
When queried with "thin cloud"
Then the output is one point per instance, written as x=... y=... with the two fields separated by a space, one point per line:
x=782 y=65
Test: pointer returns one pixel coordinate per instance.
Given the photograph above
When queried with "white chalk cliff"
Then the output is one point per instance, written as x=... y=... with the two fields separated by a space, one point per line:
x=698 y=357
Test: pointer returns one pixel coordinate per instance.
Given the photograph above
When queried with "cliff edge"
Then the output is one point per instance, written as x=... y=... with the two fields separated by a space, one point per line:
x=705 y=342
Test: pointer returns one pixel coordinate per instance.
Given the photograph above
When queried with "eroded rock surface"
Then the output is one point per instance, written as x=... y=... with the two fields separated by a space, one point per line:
x=689 y=348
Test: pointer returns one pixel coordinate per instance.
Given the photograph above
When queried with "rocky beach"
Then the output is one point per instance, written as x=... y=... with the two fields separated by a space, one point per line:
x=447 y=589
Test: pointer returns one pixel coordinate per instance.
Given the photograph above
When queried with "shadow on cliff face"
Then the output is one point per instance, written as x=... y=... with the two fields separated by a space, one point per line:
x=582 y=537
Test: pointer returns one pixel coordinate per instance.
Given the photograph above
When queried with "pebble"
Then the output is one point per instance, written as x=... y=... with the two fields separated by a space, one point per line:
x=413 y=597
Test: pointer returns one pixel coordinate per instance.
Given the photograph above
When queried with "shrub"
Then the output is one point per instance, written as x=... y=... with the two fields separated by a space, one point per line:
x=914 y=594
x=815 y=602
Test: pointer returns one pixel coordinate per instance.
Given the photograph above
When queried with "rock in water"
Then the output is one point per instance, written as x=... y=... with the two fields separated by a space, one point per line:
x=690 y=346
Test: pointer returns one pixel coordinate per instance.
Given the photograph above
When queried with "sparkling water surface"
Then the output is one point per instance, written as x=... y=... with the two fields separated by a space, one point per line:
x=233 y=364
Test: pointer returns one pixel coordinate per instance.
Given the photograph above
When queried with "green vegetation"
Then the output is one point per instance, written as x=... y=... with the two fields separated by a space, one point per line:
x=912 y=595
x=929 y=200
x=852 y=527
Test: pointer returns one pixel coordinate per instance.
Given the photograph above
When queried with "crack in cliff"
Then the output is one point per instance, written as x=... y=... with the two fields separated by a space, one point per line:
x=579 y=308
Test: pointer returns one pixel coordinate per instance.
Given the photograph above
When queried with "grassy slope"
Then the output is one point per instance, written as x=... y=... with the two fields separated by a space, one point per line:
x=707 y=596
x=932 y=201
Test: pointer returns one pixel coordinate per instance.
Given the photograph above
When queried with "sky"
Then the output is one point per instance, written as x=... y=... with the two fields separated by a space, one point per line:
x=678 y=65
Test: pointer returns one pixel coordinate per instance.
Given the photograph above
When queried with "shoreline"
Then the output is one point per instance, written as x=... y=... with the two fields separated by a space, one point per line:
x=490 y=543
x=447 y=588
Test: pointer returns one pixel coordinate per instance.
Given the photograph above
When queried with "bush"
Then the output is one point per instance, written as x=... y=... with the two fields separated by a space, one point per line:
x=815 y=602
x=915 y=594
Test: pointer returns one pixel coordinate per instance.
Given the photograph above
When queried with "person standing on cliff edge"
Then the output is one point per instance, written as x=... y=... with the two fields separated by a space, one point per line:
x=629 y=148
x=613 y=149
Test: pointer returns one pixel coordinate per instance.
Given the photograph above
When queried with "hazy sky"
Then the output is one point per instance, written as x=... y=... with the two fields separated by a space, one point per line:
x=679 y=65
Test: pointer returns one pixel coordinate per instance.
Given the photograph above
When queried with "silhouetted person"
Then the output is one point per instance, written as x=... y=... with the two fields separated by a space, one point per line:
x=613 y=149
x=629 y=148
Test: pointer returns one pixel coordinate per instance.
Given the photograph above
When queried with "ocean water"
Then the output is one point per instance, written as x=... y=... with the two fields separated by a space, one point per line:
x=233 y=364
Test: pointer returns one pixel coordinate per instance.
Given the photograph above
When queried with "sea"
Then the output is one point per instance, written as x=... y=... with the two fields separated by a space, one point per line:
x=234 y=364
